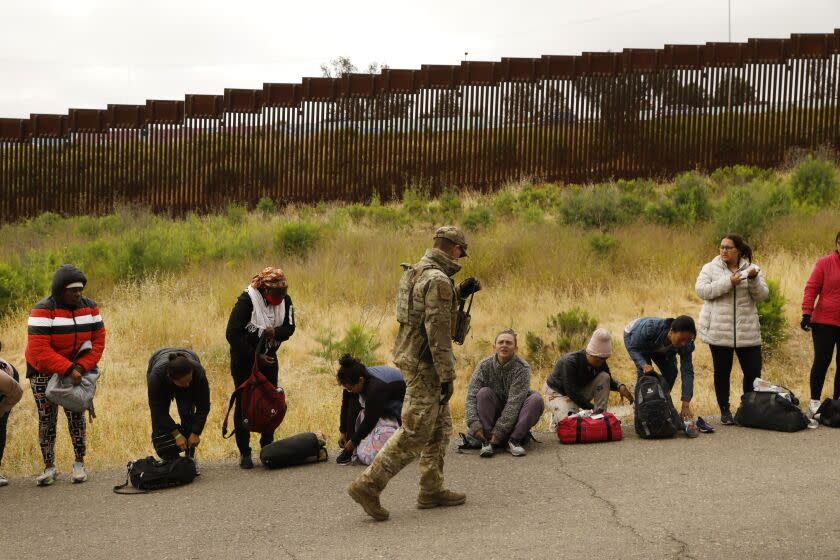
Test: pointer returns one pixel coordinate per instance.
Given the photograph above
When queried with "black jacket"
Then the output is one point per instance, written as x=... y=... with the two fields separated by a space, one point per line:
x=383 y=397
x=572 y=373
x=162 y=391
x=243 y=343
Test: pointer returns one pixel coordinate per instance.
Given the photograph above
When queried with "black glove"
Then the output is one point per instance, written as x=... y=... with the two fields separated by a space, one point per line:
x=468 y=287
x=805 y=323
x=446 y=390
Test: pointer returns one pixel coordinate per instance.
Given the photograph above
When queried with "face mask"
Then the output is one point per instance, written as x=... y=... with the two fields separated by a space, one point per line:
x=272 y=300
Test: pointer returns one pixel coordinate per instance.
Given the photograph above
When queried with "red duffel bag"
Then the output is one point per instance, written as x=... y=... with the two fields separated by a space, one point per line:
x=589 y=429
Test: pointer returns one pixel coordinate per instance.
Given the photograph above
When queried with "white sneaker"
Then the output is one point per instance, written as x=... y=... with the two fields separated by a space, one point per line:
x=813 y=406
x=3 y=480
x=48 y=477
x=79 y=474
x=516 y=449
x=486 y=449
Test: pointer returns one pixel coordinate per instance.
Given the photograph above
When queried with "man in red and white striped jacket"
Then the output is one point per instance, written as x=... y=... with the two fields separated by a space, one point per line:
x=58 y=327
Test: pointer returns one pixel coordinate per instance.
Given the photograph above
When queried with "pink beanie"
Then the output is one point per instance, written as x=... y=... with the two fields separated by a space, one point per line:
x=600 y=345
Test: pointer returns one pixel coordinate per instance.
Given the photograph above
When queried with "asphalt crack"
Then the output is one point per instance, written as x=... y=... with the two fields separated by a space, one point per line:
x=681 y=554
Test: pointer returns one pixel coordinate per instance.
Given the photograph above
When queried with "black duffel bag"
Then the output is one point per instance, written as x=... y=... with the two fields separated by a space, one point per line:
x=294 y=450
x=829 y=413
x=152 y=474
x=771 y=411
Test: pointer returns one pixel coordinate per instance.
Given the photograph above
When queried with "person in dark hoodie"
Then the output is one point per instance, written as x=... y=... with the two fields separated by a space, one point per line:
x=582 y=380
x=58 y=326
x=263 y=311
x=372 y=397
x=653 y=341
x=177 y=374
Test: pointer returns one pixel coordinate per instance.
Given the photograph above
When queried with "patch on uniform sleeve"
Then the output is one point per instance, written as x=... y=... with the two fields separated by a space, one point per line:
x=445 y=290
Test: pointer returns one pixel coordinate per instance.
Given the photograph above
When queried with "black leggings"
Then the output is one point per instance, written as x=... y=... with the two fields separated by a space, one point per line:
x=243 y=436
x=750 y=360
x=3 y=421
x=826 y=338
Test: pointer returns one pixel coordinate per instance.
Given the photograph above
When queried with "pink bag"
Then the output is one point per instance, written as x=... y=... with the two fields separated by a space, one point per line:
x=367 y=449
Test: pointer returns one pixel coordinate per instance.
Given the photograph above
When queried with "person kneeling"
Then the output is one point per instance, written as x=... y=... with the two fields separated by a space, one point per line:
x=580 y=377
x=500 y=403
x=177 y=373
x=370 y=408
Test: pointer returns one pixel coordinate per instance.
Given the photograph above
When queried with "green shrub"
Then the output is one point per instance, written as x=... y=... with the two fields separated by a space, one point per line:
x=598 y=206
x=536 y=351
x=603 y=243
x=571 y=329
x=747 y=210
x=359 y=342
x=449 y=207
x=815 y=182
x=532 y=215
x=477 y=218
x=544 y=197
x=691 y=198
x=739 y=175
x=12 y=288
x=505 y=204
x=297 y=238
x=415 y=202
x=236 y=214
x=265 y=206
x=771 y=316
x=357 y=212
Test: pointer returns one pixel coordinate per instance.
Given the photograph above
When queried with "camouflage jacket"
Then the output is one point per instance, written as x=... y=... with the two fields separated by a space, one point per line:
x=434 y=309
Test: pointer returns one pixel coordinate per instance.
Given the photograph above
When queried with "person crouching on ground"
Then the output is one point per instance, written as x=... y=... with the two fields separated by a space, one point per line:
x=582 y=380
x=58 y=326
x=371 y=407
x=10 y=395
x=177 y=374
x=501 y=408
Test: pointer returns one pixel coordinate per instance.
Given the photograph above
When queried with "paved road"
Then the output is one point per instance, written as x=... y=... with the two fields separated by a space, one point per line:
x=739 y=493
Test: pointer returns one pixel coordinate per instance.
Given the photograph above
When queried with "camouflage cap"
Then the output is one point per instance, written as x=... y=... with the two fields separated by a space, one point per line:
x=453 y=234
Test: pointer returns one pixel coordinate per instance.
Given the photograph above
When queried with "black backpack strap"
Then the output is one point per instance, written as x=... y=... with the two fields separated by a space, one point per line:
x=225 y=435
x=577 y=429
x=609 y=428
x=123 y=488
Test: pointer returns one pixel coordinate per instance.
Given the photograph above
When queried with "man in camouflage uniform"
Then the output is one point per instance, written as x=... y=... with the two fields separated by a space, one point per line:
x=427 y=309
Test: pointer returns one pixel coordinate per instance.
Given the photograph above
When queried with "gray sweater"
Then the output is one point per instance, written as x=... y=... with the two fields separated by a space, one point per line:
x=511 y=383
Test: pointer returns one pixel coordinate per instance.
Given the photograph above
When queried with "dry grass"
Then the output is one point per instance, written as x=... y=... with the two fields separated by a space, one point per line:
x=528 y=272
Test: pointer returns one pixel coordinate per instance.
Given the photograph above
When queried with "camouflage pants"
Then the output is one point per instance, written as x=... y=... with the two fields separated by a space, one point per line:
x=426 y=427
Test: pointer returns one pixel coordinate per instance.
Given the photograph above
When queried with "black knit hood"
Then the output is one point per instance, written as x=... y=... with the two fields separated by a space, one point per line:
x=65 y=275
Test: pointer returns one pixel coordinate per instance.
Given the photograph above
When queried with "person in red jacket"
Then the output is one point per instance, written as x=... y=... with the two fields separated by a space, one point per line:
x=823 y=320
x=58 y=326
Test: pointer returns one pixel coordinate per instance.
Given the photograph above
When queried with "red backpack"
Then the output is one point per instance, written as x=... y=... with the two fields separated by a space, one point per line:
x=263 y=405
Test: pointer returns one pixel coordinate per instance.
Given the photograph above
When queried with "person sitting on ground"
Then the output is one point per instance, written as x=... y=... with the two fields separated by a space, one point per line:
x=10 y=395
x=501 y=407
x=177 y=374
x=58 y=328
x=581 y=380
x=650 y=340
x=370 y=408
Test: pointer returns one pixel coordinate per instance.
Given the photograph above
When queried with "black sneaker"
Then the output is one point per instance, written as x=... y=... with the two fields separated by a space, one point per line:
x=345 y=457
x=726 y=417
x=245 y=462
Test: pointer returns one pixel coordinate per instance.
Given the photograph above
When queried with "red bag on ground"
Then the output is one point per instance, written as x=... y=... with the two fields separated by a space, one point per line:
x=589 y=429
x=263 y=405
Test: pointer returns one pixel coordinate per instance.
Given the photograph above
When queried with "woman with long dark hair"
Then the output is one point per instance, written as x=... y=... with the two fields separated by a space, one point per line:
x=731 y=286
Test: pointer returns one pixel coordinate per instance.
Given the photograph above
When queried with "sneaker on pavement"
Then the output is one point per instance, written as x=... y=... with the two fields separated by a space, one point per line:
x=444 y=498
x=3 y=480
x=704 y=427
x=79 y=474
x=245 y=462
x=516 y=448
x=345 y=457
x=813 y=407
x=47 y=478
x=691 y=429
x=368 y=499
x=726 y=417
x=486 y=449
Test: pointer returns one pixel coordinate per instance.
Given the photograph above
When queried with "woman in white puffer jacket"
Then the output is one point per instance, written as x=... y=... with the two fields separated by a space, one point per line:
x=730 y=286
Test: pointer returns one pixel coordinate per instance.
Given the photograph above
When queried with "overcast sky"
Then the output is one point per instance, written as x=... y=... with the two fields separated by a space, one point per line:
x=57 y=54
